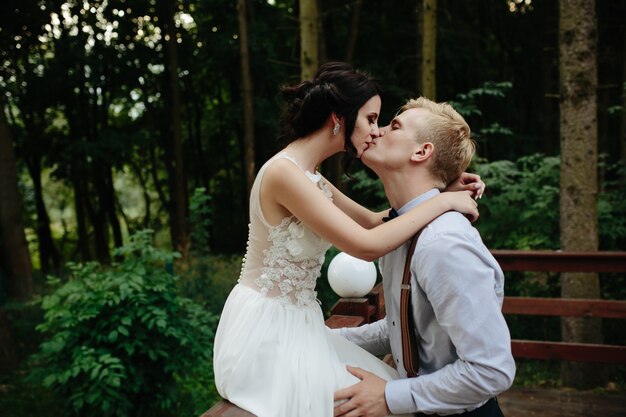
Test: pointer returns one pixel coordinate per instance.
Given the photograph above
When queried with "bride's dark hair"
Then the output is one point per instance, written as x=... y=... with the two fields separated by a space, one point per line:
x=336 y=87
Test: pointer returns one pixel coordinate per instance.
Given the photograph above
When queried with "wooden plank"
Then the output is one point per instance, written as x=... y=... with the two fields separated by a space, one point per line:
x=354 y=307
x=337 y=321
x=577 y=352
x=376 y=298
x=557 y=261
x=225 y=408
x=565 y=307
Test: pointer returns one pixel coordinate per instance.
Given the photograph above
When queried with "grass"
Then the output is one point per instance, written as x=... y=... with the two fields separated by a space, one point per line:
x=21 y=398
x=547 y=374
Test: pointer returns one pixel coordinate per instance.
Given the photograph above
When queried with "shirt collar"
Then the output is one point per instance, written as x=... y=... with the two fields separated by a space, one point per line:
x=418 y=200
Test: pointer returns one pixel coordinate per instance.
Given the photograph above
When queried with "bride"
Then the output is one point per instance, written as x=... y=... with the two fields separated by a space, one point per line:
x=273 y=354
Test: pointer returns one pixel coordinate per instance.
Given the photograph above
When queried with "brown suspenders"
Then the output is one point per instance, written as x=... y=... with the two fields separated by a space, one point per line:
x=410 y=352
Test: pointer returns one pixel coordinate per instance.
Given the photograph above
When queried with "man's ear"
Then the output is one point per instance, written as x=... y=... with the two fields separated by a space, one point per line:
x=423 y=152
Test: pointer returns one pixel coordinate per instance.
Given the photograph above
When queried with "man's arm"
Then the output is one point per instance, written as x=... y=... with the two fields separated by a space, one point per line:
x=457 y=273
x=372 y=337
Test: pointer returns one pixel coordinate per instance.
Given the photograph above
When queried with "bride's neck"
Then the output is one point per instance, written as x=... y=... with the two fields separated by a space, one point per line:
x=310 y=151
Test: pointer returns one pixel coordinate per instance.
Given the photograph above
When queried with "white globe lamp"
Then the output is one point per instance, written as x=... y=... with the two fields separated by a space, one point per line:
x=350 y=277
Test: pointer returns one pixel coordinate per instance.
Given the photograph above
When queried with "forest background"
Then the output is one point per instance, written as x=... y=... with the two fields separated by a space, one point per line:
x=131 y=131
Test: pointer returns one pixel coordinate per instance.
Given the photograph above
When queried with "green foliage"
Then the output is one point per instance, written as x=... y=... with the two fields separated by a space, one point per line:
x=325 y=293
x=611 y=208
x=521 y=207
x=197 y=390
x=22 y=398
x=467 y=104
x=367 y=189
x=530 y=373
x=119 y=336
x=200 y=220
x=209 y=279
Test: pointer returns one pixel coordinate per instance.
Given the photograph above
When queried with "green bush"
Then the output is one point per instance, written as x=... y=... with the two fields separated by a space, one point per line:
x=209 y=279
x=120 y=336
x=521 y=207
x=200 y=219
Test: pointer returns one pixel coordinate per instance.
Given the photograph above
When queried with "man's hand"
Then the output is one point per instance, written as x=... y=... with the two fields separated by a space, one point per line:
x=366 y=398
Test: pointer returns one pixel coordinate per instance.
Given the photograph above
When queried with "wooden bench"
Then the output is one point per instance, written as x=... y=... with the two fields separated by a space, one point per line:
x=522 y=402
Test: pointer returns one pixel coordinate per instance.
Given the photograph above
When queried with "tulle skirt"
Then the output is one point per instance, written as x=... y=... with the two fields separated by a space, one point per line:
x=278 y=360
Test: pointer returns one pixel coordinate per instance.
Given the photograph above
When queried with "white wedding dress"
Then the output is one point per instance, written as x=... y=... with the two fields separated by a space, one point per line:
x=273 y=354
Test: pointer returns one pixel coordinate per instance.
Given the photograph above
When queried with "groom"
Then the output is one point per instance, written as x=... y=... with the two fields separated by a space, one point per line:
x=456 y=286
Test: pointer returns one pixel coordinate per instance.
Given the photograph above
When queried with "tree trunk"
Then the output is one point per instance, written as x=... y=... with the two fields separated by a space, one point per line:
x=578 y=176
x=17 y=277
x=623 y=86
x=429 y=49
x=80 y=194
x=146 y=196
x=322 y=55
x=419 y=6
x=353 y=34
x=8 y=346
x=48 y=255
x=248 y=98
x=549 y=77
x=178 y=194
x=110 y=207
x=309 y=36
x=97 y=214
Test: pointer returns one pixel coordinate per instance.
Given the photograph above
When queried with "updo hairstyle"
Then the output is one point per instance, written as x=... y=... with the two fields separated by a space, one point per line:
x=336 y=87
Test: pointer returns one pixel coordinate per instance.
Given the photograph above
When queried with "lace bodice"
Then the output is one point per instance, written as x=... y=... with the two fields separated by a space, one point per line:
x=283 y=261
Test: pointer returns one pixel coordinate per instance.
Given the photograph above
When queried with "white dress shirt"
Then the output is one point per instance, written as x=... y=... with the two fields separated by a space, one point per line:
x=457 y=288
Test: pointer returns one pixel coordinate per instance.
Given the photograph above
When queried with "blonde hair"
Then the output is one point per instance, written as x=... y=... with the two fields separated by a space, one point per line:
x=450 y=134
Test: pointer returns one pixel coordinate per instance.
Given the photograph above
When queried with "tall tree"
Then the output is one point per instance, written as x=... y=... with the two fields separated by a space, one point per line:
x=623 y=125
x=18 y=270
x=578 y=176
x=428 y=27
x=353 y=34
x=248 y=102
x=309 y=38
x=178 y=191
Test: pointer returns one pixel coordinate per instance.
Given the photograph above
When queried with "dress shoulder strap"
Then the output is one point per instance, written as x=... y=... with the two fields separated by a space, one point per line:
x=255 y=198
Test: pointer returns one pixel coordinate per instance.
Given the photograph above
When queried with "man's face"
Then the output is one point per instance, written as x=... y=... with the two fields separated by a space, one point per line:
x=398 y=141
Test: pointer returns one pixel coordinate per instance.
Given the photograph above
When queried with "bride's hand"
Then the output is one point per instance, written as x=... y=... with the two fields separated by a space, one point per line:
x=469 y=182
x=463 y=203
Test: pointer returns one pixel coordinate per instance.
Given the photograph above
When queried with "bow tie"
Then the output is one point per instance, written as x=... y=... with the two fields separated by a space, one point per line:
x=392 y=214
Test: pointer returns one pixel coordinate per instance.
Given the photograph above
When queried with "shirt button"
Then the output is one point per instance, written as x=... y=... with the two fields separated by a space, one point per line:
x=397 y=360
x=393 y=323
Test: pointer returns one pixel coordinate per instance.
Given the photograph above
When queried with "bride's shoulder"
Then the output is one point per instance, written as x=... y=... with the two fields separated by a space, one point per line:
x=282 y=166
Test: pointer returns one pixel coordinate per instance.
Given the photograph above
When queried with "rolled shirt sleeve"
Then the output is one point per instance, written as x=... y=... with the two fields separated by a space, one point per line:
x=372 y=337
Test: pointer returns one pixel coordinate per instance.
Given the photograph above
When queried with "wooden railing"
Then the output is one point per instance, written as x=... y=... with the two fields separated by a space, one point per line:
x=372 y=307
x=565 y=262
x=357 y=311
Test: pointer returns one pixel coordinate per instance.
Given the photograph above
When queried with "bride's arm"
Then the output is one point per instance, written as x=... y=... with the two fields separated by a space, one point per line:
x=369 y=219
x=362 y=215
x=285 y=186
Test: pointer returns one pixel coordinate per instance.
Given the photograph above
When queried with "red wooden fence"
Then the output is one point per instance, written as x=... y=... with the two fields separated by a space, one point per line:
x=565 y=262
